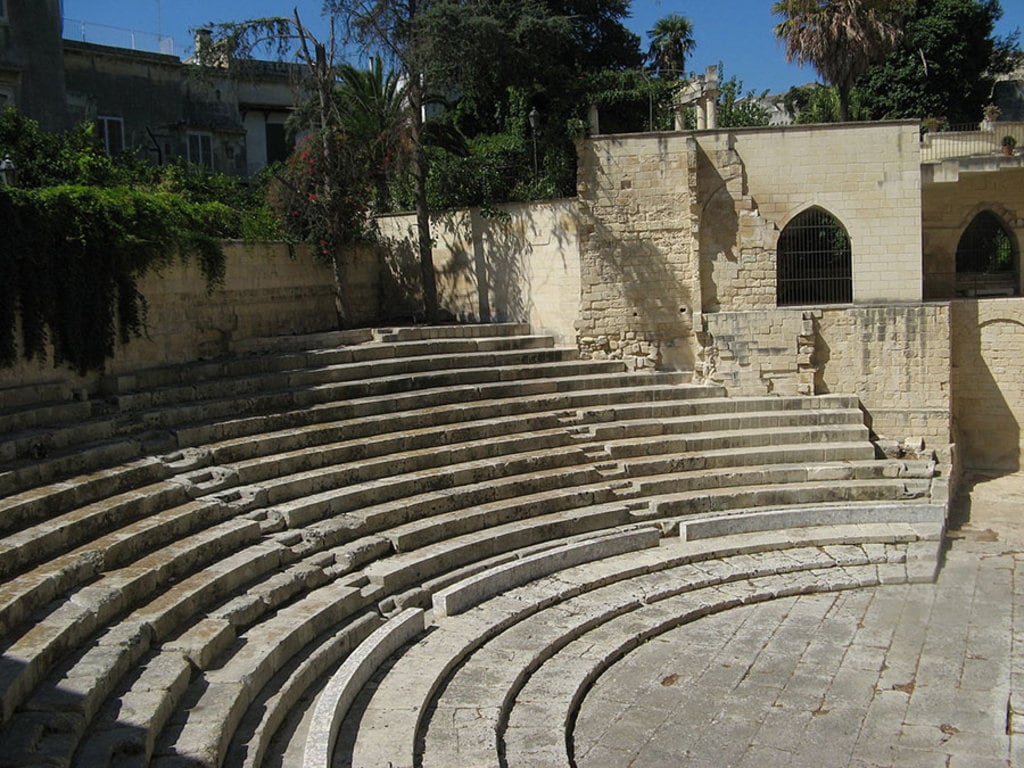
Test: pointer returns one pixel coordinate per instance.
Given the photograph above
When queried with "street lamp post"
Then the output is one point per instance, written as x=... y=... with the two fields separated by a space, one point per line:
x=534 y=118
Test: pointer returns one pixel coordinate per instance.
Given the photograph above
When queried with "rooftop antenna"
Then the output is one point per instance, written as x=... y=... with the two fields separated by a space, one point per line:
x=160 y=18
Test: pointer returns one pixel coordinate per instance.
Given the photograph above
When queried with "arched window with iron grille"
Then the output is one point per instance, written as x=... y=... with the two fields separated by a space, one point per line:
x=814 y=261
x=986 y=259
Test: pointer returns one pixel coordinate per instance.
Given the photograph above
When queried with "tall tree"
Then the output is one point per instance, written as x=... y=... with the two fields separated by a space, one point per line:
x=229 y=46
x=944 y=65
x=441 y=48
x=671 y=42
x=373 y=116
x=840 y=38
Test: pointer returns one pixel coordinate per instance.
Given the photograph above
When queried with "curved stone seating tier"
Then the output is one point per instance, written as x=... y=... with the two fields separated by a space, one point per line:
x=134 y=410
x=456 y=691
x=182 y=607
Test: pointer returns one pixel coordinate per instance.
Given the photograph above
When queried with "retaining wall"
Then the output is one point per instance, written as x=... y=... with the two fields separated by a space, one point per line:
x=987 y=372
x=519 y=264
x=266 y=292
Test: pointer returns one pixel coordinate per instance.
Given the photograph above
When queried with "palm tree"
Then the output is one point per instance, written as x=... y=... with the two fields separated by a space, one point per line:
x=840 y=38
x=373 y=119
x=671 y=42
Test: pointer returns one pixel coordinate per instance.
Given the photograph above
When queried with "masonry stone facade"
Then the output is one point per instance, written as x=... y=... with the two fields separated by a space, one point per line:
x=668 y=259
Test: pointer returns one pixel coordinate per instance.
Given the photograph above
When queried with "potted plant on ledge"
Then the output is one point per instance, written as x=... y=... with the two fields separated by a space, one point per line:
x=990 y=114
x=1008 y=143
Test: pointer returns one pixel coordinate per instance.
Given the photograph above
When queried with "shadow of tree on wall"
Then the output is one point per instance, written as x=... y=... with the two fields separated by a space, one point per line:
x=484 y=277
x=986 y=356
x=653 y=300
x=483 y=261
x=400 y=293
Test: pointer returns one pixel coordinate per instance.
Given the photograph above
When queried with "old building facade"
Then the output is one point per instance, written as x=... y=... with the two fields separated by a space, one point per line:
x=230 y=120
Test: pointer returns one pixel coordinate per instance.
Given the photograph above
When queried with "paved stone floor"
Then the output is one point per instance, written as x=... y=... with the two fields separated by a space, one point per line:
x=909 y=675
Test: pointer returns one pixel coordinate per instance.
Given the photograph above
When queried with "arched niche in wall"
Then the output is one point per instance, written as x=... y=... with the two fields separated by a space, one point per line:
x=814 y=261
x=987 y=258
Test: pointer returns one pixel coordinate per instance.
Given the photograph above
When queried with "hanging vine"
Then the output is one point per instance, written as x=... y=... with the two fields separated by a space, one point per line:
x=71 y=258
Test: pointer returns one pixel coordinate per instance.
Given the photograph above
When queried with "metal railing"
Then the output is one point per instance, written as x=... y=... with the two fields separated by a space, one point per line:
x=981 y=140
x=118 y=37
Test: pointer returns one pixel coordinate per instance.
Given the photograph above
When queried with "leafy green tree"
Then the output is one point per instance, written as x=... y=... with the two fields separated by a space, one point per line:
x=373 y=115
x=944 y=65
x=817 y=103
x=599 y=38
x=738 y=110
x=671 y=42
x=840 y=38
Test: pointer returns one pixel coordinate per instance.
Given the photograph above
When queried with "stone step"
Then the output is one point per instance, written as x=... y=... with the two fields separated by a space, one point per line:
x=709 y=478
x=21 y=414
x=379 y=441
x=403 y=570
x=712 y=406
x=69 y=622
x=638 y=447
x=705 y=501
x=856 y=451
x=203 y=733
x=303 y=342
x=422 y=332
x=402 y=473
x=297 y=682
x=700 y=422
x=334 y=701
x=83 y=460
x=23 y=548
x=446 y=415
x=380 y=504
x=540 y=616
x=295 y=353
x=558 y=392
x=87 y=681
x=534 y=727
x=27 y=508
x=928 y=519
x=13 y=399
x=321 y=372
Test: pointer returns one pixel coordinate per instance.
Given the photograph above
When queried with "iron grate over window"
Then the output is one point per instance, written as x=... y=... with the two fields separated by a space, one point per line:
x=986 y=259
x=985 y=246
x=814 y=262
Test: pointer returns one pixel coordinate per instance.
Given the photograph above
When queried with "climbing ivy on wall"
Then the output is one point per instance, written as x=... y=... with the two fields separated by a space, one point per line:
x=71 y=258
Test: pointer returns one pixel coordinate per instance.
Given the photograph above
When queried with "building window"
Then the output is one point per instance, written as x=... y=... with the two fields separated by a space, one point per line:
x=3 y=10
x=277 y=143
x=986 y=259
x=200 y=149
x=110 y=134
x=814 y=261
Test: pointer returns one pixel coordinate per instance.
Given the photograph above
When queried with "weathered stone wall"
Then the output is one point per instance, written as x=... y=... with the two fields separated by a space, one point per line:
x=521 y=265
x=895 y=358
x=866 y=175
x=638 y=261
x=947 y=207
x=758 y=353
x=266 y=292
x=988 y=371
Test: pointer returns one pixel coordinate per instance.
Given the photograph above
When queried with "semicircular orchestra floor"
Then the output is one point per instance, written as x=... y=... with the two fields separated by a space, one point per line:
x=901 y=675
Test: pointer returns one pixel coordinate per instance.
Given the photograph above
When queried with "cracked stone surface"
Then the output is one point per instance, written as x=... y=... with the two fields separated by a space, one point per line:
x=902 y=675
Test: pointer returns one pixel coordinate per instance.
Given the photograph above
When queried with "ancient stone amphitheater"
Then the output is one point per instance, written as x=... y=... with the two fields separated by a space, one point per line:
x=404 y=547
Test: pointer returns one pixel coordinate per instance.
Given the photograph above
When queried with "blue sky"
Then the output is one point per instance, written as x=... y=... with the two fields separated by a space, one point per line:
x=737 y=33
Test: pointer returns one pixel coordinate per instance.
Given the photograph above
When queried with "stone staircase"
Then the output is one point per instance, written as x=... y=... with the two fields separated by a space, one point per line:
x=205 y=565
